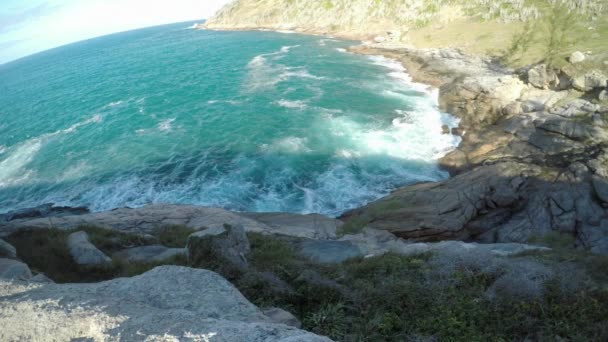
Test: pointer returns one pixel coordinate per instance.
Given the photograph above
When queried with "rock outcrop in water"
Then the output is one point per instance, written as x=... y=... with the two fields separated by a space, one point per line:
x=532 y=161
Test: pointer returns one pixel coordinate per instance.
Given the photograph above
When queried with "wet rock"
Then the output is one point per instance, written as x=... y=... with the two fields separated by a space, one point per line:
x=13 y=269
x=166 y=303
x=154 y=253
x=7 y=250
x=603 y=95
x=84 y=252
x=445 y=129
x=457 y=131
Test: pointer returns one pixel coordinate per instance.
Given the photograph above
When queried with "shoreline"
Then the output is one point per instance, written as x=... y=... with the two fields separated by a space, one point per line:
x=524 y=153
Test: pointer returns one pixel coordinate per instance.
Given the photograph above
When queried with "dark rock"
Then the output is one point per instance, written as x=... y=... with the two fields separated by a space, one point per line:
x=600 y=185
x=445 y=129
x=221 y=246
x=45 y=210
x=7 y=250
x=457 y=131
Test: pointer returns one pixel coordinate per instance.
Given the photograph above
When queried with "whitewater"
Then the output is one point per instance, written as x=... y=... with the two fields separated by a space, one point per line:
x=248 y=121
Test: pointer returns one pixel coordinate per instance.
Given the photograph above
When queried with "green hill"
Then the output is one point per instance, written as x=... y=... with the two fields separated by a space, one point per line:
x=519 y=31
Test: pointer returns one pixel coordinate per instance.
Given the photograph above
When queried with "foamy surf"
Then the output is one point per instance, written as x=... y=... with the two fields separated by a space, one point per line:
x=249 y=121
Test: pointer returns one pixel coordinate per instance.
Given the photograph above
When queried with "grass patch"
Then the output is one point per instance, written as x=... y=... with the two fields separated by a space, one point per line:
x=385 y=298
x=353 y=225
x=46 y=251
x=175 y=236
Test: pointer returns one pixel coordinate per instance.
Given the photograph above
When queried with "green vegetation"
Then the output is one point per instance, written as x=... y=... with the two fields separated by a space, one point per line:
x=45 y=250
x=173 y=235
x=384 y=298
x=394 y=297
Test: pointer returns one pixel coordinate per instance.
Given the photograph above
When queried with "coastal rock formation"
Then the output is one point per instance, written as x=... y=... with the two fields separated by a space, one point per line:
x=84 y=252
x=147 y=219
x=166 y=303
x=153 y=253
x=225 y=245
x=530 y=164
x=7 y=250
x=14 y=269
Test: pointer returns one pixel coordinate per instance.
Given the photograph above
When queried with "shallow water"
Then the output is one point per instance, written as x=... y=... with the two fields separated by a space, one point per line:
x=255 y=121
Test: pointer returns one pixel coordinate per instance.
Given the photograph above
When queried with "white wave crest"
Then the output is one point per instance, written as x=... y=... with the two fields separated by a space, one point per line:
x=13 y=169
x=166 y=125
x=291 y=104
x=288 y=145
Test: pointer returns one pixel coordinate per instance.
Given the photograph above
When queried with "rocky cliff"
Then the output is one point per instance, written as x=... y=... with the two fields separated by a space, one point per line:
x=533 y=158
x=502 y=27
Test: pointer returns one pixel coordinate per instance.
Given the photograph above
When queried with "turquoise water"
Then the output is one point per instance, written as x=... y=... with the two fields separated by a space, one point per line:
x=256 y=121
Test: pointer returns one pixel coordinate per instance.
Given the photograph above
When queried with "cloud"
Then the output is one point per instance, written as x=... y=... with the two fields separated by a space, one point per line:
x=14 y=19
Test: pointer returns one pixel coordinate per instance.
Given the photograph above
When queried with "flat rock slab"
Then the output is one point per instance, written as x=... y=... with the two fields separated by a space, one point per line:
x=311 y=226
x=13 y=269
x=168 y=303
x=328 y=252
x=147 y=219
x=154 y=253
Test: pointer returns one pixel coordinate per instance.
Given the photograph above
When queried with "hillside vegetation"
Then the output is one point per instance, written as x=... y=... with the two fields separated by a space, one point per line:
x=520 y=31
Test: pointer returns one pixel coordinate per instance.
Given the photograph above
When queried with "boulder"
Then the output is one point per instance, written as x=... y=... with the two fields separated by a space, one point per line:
x=153 y=253
x=13 y=269
x=7 y=250
x=577 y=57
x=603 y=95
x=280 y=316
x=84 y=252
x=543 y=77
x=592 y=80
x=600 y=185
x=224 y=247
x=532 y=106
x=168 y=303
x=479 y=101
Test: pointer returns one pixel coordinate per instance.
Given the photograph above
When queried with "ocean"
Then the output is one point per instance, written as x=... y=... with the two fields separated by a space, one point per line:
x=248 y=121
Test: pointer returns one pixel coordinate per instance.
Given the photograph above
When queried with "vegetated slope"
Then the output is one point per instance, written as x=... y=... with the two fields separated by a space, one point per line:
x=523 y=31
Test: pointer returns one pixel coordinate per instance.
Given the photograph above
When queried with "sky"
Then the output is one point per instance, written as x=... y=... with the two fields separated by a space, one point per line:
x=30 y=26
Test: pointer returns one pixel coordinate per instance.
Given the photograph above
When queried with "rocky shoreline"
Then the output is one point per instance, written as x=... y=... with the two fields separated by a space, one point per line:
x=533 y=160
x=533 y=164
